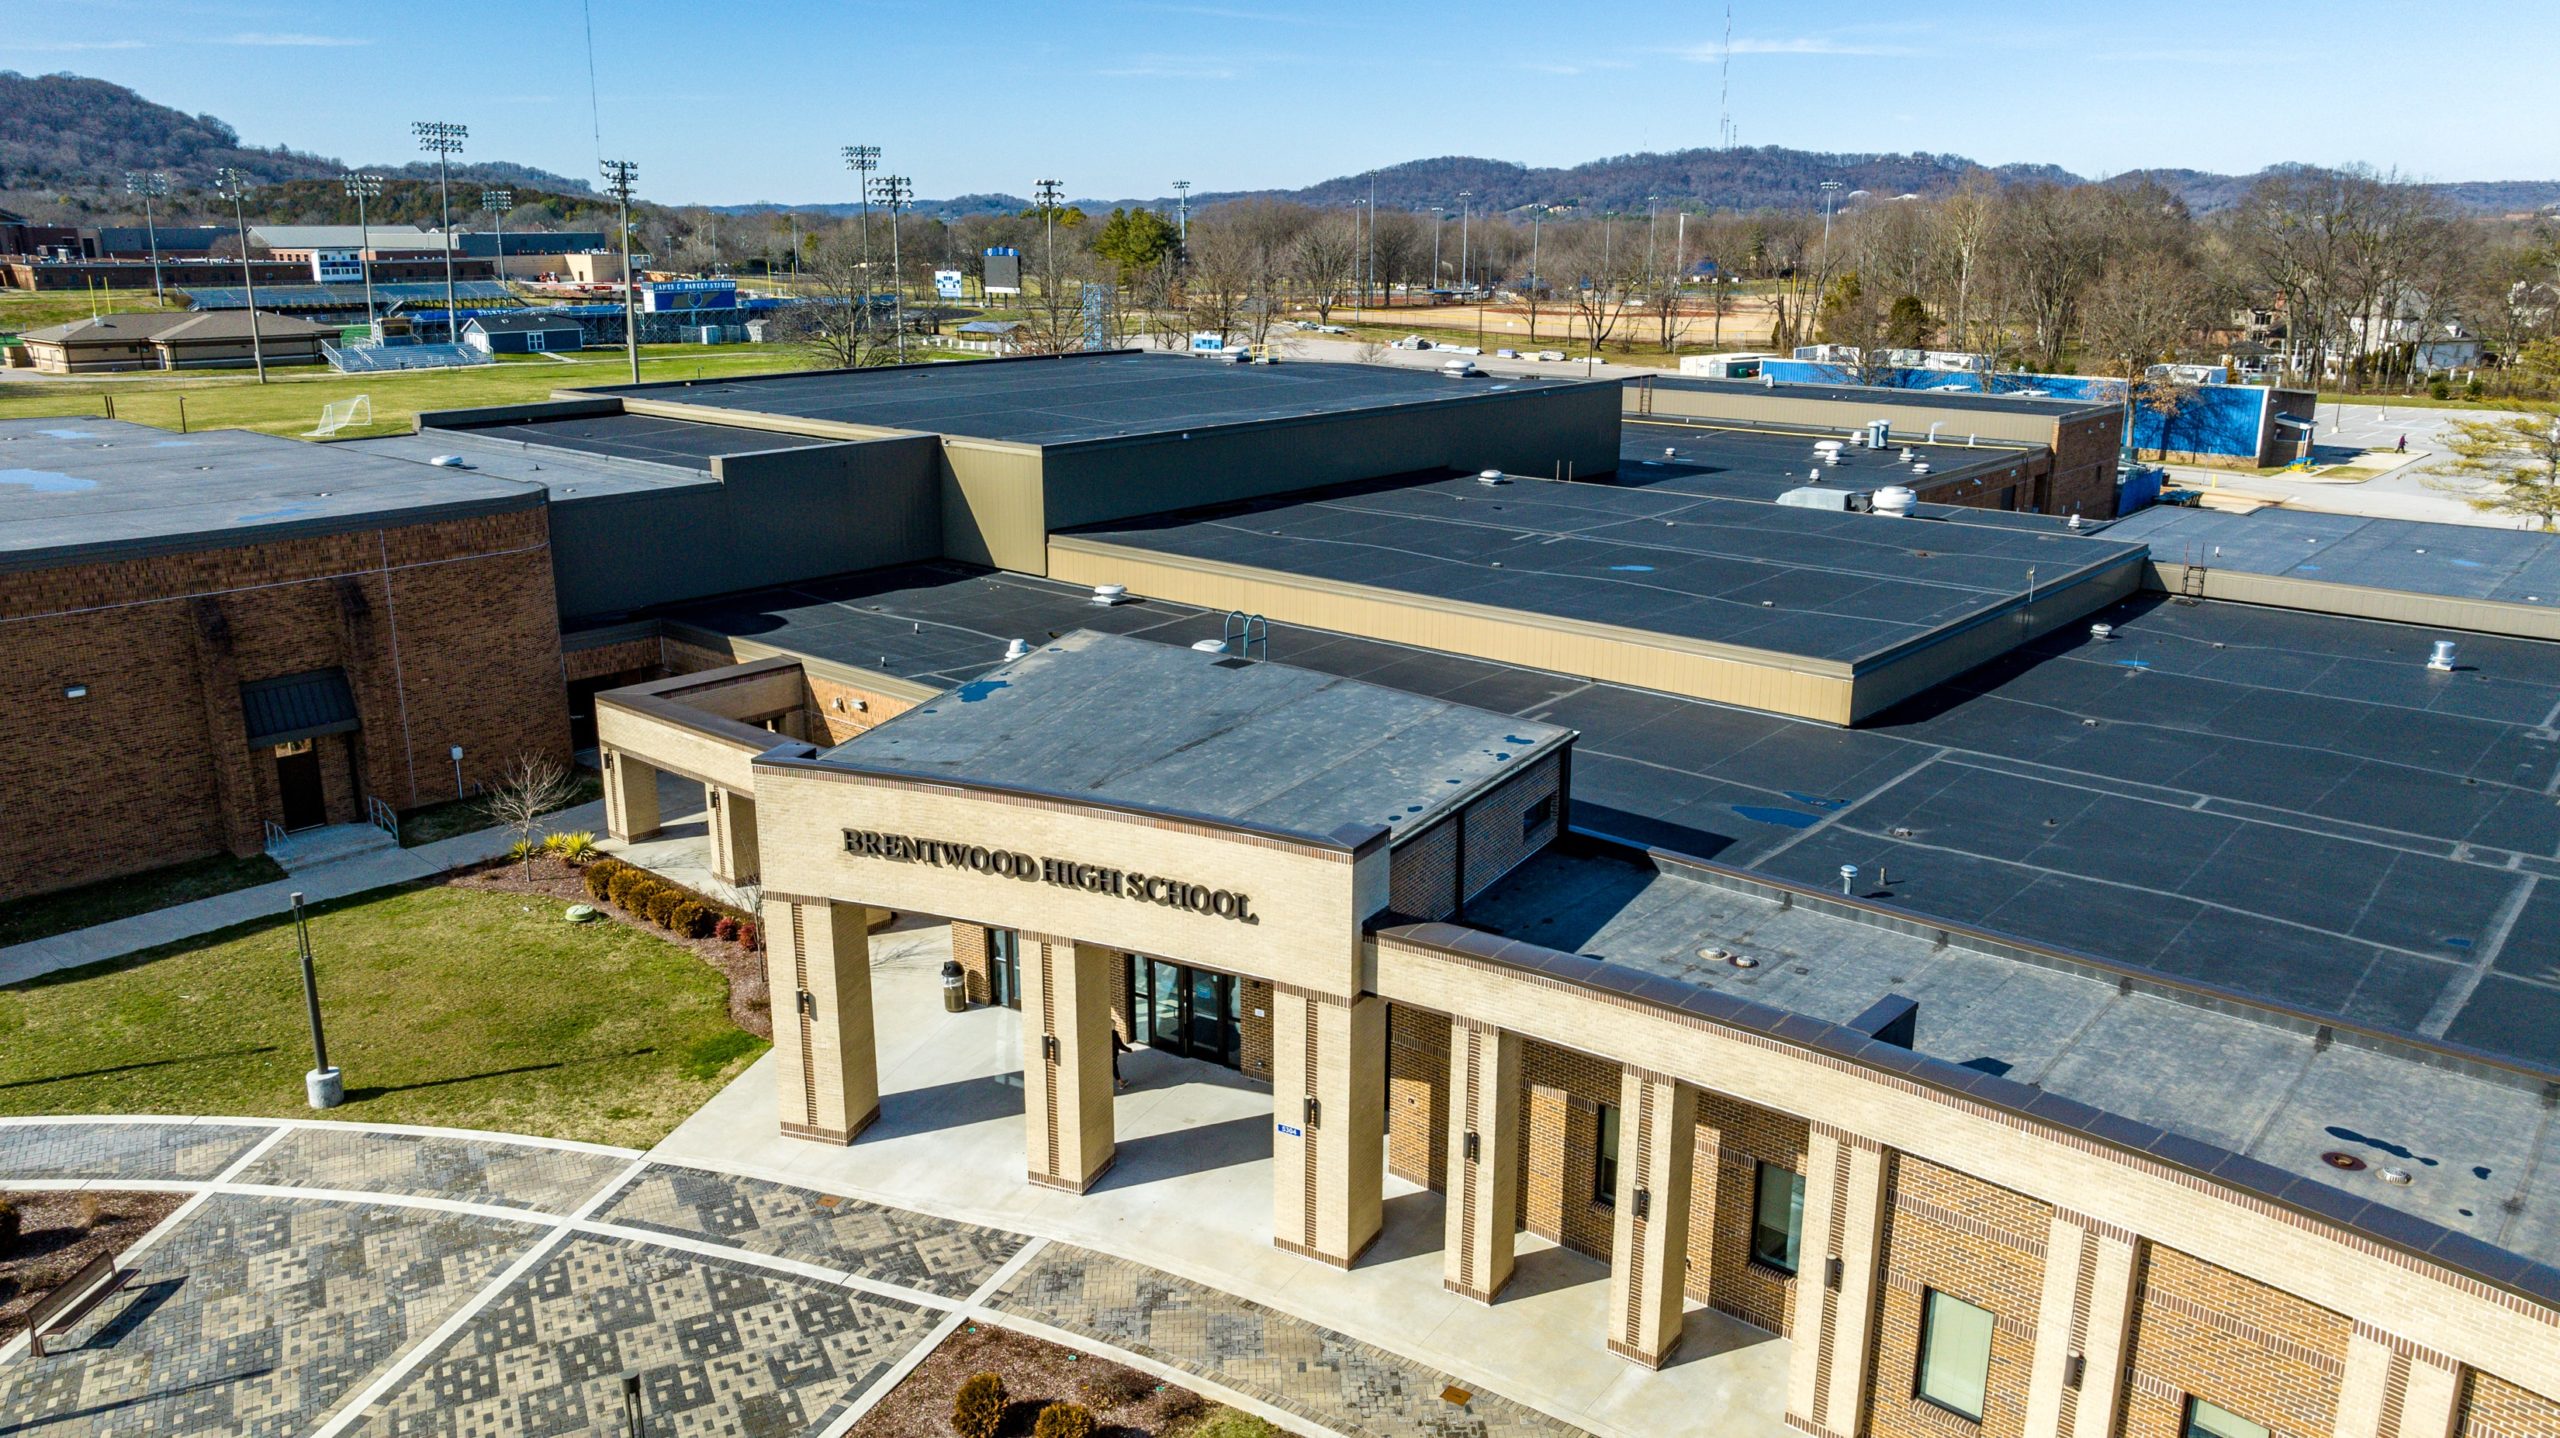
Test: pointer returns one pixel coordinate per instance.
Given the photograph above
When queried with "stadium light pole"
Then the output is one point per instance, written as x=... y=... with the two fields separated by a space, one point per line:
x=1466 y=211
x=443 y=140
x=365 y=187
x=148 y=184
x=862 y=160
x=236 y=185
x=1048 y=192
x=895 y=190
x=497 y=202
x=1182 y=211
x=619 y=178
x=1373 y=234
x=1439 y=217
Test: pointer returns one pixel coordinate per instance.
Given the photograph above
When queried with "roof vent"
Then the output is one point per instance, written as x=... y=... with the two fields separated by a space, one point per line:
x=2074 y=522
x=1919 y=466
x=1492 y=476
x=448 y=461
x=2102 y=632
x=2441 y=660
x=1015 y=649
x=1669 y=452
x=1895 y=500
x=1906 y=454
x=1110 y=593
x=1209 y=646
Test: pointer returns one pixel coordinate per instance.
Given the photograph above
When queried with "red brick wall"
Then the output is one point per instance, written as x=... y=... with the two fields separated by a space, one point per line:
x=1969 y=1240
x=1496 y=840
x=1560 y=1117
x=2495 y=1408
x=1733 y=1137
x=627 y=656
x=447 y=632
x=2084 y=466
x=2264 y=1354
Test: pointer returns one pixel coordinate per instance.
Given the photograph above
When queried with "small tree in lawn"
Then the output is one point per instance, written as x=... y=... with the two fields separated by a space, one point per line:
x=2519 y=455
x=531 y=787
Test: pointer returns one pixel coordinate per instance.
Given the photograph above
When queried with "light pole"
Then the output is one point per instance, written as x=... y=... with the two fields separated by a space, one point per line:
x=324 y=1086
x=1182 y=211
x=894 y=192
x=148 y=184
x=1465 y=211
x=443 y=140
x=1046 y=193
x=360 y=188
x=1829 y=189
x=1536 y=218
x=620 y=176
x=862 y=160
x=1439 y=217
x=236 y=185
x=1373 y=229
x=497 y=202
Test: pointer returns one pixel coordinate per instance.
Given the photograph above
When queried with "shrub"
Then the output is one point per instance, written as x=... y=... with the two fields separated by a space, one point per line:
x=577 y=848
x=521 y=850
x=599 y=879
x=93 y=1209
x=1116 y=1387
x=9 y=1228
x=750 y=937
x=693 y=919
x=978 y=1408
x=624 y=887
x=2475 y=389
x=725 y=929
x=1064 y=1420
x=659 y=903
x=2440 y=388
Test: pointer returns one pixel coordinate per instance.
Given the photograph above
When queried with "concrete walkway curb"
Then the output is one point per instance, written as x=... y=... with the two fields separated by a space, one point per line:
x=361 y=874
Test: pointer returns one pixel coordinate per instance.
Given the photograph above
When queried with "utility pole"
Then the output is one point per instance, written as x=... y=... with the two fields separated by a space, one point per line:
x=1537 y=217
x=236 y=185
x=1652 y=226
x=360 y=188
x=444 y=141
x=620 y=176
x=1466 y=209
x=497 y=202
x=149 y=184
x=1046 y=194
x=1182 y=211
x=862 y=160
x=894 y=192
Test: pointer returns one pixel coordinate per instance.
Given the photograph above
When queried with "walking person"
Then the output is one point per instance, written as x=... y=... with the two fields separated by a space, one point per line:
x=1119 y=1046
x=2404 y=444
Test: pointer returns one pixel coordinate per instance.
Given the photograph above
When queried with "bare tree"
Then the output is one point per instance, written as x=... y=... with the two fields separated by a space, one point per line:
x=1323 y=262
x=1600 y=283
x=835 y=316
x=531 y=787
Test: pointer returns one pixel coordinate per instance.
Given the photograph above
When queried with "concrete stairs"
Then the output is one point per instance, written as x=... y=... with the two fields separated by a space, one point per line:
x=327 y=845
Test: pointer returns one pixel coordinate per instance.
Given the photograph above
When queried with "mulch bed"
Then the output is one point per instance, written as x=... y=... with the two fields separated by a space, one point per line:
x=556 y=881
x=1125 y=1402
x=56 y=1239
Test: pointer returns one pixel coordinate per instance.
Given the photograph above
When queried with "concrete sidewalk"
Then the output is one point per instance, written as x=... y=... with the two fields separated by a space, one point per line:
x=1191 y=1195
x=115 y=939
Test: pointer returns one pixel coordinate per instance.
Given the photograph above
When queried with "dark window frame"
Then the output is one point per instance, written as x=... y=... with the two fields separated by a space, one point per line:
x=1761 y=1172
x=1920 y=1367
x=1604 y=1159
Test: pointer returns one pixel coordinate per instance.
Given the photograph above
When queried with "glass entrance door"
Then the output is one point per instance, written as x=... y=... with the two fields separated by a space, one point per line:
x=1004 y=967
x=1190 y=1012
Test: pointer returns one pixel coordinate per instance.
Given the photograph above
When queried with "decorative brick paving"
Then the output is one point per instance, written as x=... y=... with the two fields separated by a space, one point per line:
x=1314 y=1372
x=467 y=1170
x=254 y=1317
x=722 y=1348
x=124 y=1151
x=890 y=1245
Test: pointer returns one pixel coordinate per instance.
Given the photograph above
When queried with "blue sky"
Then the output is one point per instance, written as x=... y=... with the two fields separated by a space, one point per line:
x=732 y=103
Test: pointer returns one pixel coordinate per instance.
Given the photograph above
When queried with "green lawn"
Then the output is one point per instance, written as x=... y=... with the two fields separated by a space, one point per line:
x=23 y=310
x=66 y=909
x=429 y=823
x=465 y=1007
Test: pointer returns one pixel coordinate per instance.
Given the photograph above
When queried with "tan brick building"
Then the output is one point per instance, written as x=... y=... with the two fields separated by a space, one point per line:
x=265 y=639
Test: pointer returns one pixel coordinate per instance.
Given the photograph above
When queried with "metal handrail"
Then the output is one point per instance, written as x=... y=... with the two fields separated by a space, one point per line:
x=382 y=816
x=275 y=834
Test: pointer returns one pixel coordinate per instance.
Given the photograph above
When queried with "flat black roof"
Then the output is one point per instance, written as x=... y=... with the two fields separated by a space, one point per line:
x=1059 y=399
x=687 y=443
x=2287 y=805
x=1891 y=396
x=73 y=490
x=1803 y=582
x=1761 y=462
x=2462 y=561
x=1263 y=744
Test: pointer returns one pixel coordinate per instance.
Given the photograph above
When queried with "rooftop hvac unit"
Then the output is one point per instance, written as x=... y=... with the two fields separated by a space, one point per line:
x=1895 y=500
x=1831 y=499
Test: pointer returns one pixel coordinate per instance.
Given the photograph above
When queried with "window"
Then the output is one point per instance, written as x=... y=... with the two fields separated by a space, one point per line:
x=1537 y=816
x=2208 y=1420
x=1955 y=1354
x=1604 y=1172
x=1777 y=1217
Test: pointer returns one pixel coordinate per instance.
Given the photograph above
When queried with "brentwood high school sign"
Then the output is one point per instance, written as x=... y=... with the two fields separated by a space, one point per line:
x=1064 y=873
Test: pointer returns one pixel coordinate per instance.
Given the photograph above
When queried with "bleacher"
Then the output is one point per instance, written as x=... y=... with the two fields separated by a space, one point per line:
x=374 y=359
x=315 y=297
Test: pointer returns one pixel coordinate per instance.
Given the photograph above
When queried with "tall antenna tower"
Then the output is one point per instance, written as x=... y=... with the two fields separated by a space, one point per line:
x=1724 y=89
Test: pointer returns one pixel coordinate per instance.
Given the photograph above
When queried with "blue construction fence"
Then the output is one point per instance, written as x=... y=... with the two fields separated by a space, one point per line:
x=2228 y=420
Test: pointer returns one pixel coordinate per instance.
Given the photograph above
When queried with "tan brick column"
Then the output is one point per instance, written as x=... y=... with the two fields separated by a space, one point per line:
x=1649 y=1249
x=1066 y=1060
x=1329 y=1106
x=631 y=799
x=827 y=1063
x=2394 y=1388
x=1484 y=1159
x=2077 y=1384
x=734 y=856
x=1834 y=1328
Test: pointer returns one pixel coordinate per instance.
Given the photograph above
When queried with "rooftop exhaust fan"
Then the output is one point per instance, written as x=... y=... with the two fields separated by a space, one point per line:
x=1895 y=500
x=2102 y=632
x=2441 y=660
x=1920 y=466
x=1109 y=594
x=1492 y=477
x=1015 y=649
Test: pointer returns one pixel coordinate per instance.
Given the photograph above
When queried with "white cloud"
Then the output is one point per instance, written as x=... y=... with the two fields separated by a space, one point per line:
x=66 y=46
x=1711 y=53
x=298 y=41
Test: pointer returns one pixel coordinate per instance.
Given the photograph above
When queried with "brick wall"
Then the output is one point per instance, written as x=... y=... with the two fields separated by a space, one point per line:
x=969 y=946
x=2262 y=1353
x=628 y=656
x=1970 y=1240
x=1422 y=872
x=446 y=630
x=1418 y=1096
x=1497 y=838
x=2084 y=467
x=2495 y=1408
x=1560 y=1120
x=838 y=711
x=1733 y=1137
x=1253 y=1028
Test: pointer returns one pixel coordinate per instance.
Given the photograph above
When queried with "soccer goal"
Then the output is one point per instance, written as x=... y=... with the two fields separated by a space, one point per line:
x=337 y=416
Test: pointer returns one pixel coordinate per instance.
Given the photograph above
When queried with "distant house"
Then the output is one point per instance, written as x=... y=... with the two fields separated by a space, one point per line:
x=216 y=339
x=522 y=334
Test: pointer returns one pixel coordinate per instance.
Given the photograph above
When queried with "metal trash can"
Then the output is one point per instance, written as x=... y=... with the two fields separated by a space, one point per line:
x=955 y=987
